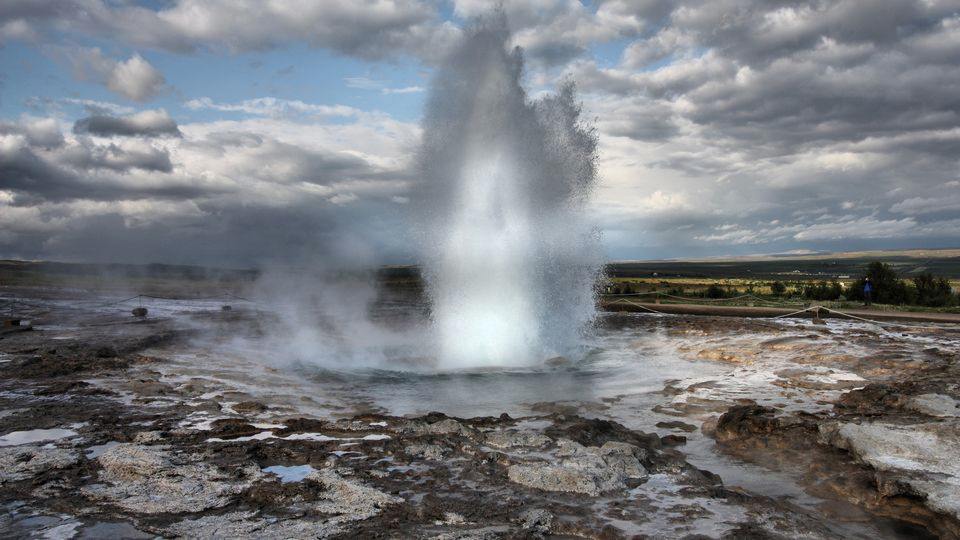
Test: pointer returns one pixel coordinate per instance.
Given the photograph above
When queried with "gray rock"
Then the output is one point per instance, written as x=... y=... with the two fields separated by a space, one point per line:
x=548 y=477
x=924 y=456
x=151 y=480
x=537 y=520
x=447 y=426
x=483 y=533
x=580 y=469
x=25 y=461
x=512 y=438
x=246 y=407
x=349 y=500
x=933 y=405
x=343 y=501
x=148 y=436
x=425 y=451
x=250 y=525
x=566 y=447
x=452 y=518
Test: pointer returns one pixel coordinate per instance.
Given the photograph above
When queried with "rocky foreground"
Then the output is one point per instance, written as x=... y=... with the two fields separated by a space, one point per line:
x=95 y=442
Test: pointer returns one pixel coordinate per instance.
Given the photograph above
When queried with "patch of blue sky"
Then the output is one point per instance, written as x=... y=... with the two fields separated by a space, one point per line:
x=35 y=83
x=609 y=53
x=41 y=80
x=29 y=77
x=296 y=73
x=445 y=9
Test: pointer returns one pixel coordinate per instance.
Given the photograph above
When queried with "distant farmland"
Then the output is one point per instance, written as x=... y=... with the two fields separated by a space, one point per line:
x=839 y=266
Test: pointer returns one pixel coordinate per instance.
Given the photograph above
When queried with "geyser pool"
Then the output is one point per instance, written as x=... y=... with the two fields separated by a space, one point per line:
x=510 y=259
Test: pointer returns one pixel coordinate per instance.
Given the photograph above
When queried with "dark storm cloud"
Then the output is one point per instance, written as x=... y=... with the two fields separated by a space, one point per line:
x=44 y=133
x=802 y=73
x=554 y=54
x=35 y=10
x=758 y=31
x=268 y=159
x=553 y=32
x=144 y=124
x=778 y=124
x=84 y=168
x=233 y=197
x=38 y=164
x=366 y=29
x=79 y=172
x=118 y=159
x=21 y=170
x=757 y=110
x=641 y=119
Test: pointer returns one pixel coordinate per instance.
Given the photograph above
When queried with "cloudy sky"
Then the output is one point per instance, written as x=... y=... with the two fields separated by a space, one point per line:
x=233 y=132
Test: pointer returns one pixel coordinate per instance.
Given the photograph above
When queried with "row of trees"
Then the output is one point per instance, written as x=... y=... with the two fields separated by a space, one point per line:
x=926 y=289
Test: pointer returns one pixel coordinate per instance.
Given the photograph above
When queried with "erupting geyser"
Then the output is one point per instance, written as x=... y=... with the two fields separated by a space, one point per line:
x=510 y=259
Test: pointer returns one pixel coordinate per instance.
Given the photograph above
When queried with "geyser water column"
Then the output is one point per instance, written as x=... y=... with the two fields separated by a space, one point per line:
x=510 y=261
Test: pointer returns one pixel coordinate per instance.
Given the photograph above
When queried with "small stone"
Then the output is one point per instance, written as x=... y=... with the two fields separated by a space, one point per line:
x=673 y=440
x=245 y=407
x=453 y=518
x=426 y=451
x=148 y=436
x=676 y=424
x=537 y=520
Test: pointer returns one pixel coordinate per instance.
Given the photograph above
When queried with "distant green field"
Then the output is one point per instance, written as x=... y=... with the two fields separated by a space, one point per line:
x=840 y=266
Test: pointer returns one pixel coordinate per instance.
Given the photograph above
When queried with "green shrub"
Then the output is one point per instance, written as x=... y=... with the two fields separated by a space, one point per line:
x=715 y=291
x=933 y=291
x=887 y=289
x=823 y=290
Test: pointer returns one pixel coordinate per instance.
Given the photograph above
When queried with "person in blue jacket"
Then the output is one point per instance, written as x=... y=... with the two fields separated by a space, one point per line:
x=867 y=289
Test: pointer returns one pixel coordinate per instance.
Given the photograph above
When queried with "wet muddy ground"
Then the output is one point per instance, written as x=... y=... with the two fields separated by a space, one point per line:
x=186 y=423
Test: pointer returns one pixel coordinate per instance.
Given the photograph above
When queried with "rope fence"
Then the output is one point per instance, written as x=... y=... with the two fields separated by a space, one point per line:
x=661 y=294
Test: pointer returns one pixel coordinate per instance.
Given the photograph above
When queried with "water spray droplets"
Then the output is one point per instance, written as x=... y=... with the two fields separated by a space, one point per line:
x=510 y=259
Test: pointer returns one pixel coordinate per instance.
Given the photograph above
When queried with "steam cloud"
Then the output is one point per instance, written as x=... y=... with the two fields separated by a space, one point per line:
x=510 y=260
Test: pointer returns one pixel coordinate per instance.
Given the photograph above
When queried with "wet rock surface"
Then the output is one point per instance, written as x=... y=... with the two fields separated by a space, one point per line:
x=143 y=452
x=891 y=449
x=153 y=480
x=28 y=461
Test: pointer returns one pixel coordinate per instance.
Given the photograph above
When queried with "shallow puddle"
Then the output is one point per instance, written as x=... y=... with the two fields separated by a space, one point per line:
x=290 y=473
x=16 y=438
